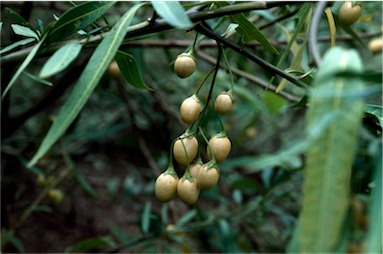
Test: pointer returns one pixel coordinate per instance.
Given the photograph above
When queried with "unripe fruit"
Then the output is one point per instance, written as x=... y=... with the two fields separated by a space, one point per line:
x=191 y=147
x=190 y=109
x=224 y=103
x=165 y=187
x=221 y=147
x=207 y=177
x=41 y=180
x=184 y=66
x=55 y=196
x=376 y=45
x=114 y=70
x=194 y=168
x=188 y=190
x=349 y=14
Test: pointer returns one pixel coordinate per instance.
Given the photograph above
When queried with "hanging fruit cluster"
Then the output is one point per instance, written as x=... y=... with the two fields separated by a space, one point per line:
x=185 y=149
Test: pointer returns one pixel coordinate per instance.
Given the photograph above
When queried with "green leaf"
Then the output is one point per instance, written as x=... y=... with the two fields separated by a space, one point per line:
x=187 y=217
x=87 y=82
x=331 y=155
x=37 y=79
x=77 y=18
x=375 y=110
x=274 y=103
x=146 y=217
x=24 y=65
x=8 y=236
x=374 y=235
x=24 y=31
x=60 y=59
x=16 y=44
x=84 y=183
x=173 y=13
x=304 y=17
x=249 y=30
x=17 y=17
x=91 y=244
x=129 y=69
x=118 y=232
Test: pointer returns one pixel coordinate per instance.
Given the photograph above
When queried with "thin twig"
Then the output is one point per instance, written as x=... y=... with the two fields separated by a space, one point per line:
x=247 y=76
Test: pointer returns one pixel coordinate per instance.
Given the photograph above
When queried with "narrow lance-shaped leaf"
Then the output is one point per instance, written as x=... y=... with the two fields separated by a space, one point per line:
x=375 y=236
x=60 y=59
x=24 y=65
x=173 y=13
x=77 y=18
x=129 y=69
x=330 y=156
x=87 y=82
x=17 y=16
x=24 y=31
x=249 y=30
x=16 y=44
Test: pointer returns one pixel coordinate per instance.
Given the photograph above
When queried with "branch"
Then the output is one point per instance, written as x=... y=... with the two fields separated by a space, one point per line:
x=267 y=66
x=160 y=25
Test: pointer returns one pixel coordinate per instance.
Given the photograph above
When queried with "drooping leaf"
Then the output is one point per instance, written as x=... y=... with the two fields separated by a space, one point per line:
x=229 y=30
x=304 y=18
x=37 y=79
x=375 y=110
x=146 y=217
x=330 y=156
x=87 y=82
x=297 y=49
x=24 y=65
x=84 y=183
x=16 y=44
x=173 y=13
x=77 y=18
x=331 y=23
x=17 y=17
x=60 y=59
x=249 y=30
x=24 y=31
x=8 y=236
x=118 y=232
x=374 y=235
x=129 y=69
x=91 y=244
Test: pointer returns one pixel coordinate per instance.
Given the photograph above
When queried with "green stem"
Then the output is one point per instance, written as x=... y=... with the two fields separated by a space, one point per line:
x=208 y=145
x=196 y=123
x=203 y=82
x=229 y=69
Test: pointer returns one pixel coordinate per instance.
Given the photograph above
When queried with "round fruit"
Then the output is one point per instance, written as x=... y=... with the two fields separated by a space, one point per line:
x=194 y=169
x=349 y=14
x=165 y=187
x=114 y=70
x=190 y=109
x=55 y=195
x=184 y=65
x=207 y=177
x=188 y=190
x=190 y=145
x=221 y=147
x=41 y=180
x=376 y=45
x=224 y=103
